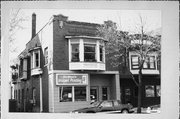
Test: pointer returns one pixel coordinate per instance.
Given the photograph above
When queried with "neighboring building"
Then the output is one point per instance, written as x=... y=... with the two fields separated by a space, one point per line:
x=64 y=67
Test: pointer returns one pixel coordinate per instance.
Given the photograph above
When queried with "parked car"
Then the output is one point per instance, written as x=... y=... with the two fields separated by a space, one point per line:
x=153 y=109
x=108 y=105
x=149 y=110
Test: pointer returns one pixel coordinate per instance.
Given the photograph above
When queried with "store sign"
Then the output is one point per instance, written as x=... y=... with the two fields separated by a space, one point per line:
x=71 y=79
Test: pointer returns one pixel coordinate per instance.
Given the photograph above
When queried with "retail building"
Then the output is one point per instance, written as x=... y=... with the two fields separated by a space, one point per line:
x=64 y=67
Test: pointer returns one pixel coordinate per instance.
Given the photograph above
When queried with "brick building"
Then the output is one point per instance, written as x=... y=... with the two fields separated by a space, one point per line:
x=64 y=67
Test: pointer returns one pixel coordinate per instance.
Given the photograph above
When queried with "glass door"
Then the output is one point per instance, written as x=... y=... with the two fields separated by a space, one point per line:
x=104 y=93
x=94 y=93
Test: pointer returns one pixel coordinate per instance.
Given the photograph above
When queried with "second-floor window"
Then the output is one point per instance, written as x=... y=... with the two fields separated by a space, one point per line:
x=148 y=64
x=101 y=53
x=46 y=55
x=134 y=62
x=35 y=63
x=75 y=52
x=89 y=52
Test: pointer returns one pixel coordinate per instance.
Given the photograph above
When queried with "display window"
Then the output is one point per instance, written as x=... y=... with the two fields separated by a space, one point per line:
x=150 y=91
x=72 y=93
x=158 y=91
x=80 y=93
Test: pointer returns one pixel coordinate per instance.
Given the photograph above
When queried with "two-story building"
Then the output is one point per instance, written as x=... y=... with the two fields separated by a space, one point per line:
x=64 y=67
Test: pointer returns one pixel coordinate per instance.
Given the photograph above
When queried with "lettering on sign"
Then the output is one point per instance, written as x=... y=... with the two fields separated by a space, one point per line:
x=69 y=79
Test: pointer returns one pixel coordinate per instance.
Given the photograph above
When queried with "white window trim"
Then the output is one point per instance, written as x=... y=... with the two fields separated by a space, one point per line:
x=33 y=59
x=81 y=49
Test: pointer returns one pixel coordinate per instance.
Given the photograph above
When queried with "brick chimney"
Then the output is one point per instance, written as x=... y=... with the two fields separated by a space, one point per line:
x=33 y=25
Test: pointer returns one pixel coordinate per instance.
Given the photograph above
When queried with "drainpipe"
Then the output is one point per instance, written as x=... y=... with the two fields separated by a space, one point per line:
x=41 y=101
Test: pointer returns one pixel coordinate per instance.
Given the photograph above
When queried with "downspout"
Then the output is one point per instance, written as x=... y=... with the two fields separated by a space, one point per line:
x=41 y=101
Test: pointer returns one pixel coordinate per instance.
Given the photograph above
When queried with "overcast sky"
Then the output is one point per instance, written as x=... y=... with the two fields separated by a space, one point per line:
x=127 y=20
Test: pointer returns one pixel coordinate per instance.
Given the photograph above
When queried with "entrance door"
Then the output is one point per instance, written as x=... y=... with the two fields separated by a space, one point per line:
x=94 y=94
x=127 y=93
x=104 y=93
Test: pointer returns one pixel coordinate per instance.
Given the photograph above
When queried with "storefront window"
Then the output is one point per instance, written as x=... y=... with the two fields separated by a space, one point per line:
x=80 y=93
x=65 y=94
x=75 y=52
x=149 y=91
x=158 y=91
x=89 y=52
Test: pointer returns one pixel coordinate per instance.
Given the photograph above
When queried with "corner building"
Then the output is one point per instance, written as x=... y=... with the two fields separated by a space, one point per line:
x=63 y=68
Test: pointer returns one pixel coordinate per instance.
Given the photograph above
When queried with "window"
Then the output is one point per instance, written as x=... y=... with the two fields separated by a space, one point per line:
x=101 y=53
x=116 y=103
x=89 y=52
x=65 y=94
x=80 y=93
x=149 y=91
x=46 y=55
x=35 y=59
x=19 y=95
x=75 y=52
x=148 y=64
x=34 y=95
x=158 y=91
x=106 y=104
x=135 y=62
x=152 y=62
x=72 y=93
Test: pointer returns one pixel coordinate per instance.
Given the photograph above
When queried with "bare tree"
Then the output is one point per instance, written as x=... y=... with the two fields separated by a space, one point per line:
x=120 y=43
x=16 y=20
x=15 y=24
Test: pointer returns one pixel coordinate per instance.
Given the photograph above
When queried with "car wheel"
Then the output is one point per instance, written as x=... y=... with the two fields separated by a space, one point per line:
x=124 y=111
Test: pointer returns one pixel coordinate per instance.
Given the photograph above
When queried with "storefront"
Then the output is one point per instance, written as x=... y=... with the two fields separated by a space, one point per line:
x=74 y=90
x=151 y=90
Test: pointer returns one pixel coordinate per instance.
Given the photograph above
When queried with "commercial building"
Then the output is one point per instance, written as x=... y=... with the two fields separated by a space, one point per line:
x=64 y=67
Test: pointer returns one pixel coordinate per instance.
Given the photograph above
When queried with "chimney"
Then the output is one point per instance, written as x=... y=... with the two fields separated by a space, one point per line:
x=33 y=25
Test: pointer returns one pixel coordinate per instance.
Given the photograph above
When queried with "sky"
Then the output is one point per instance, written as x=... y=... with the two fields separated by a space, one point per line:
x=127 y=20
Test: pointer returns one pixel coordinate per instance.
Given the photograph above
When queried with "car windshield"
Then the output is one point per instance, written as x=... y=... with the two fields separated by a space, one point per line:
x=95 y=104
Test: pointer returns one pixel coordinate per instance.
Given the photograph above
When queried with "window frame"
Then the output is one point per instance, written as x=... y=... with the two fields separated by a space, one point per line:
x=101 y=47
x=147 y=61
x=133 y=62
x=154 y=93
x=33 y=59
x=95 y=47
x=78 y=60
x=73 y=93
x=46 y=56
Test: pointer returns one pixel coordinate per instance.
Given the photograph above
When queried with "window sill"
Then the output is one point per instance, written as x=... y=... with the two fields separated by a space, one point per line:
x=36 y=71
x=86 y=66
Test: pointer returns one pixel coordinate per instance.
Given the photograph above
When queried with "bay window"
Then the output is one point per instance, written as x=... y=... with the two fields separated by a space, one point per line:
x=89 y=52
